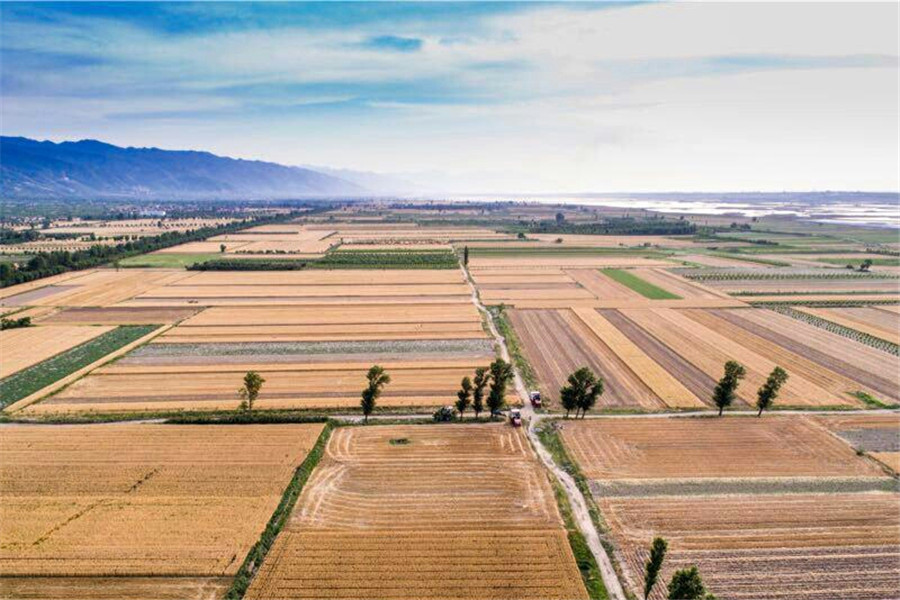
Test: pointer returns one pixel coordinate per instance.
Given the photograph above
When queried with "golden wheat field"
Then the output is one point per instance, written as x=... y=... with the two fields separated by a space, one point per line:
x=138 y=510
x=21 y=348
x=123 y=387
x=381 y=517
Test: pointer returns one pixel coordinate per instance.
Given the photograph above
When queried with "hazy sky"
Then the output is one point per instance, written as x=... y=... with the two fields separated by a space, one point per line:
x=489 y=97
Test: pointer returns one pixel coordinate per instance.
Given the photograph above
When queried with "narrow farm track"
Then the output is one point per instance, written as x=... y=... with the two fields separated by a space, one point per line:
x=576 y=499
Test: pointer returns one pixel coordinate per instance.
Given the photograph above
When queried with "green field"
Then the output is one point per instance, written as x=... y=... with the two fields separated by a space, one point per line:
x=642 y=287
x=36 y=377
x=170 y=261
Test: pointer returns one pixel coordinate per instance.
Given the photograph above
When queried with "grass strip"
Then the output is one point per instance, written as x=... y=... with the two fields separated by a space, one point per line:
x=871 y=401
x=529 y=377
x=170 y=261
x=642 y=287
x=38 y=376
x=260 y=549
x=584 y=558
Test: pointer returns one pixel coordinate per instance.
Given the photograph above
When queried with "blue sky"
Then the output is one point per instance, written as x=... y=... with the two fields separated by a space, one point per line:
x=535 y=97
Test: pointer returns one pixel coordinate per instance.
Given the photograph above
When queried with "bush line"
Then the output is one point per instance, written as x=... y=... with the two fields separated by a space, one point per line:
x=847 y=332
x=260 y=549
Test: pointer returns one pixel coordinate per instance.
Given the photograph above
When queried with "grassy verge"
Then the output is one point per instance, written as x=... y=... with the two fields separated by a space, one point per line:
x=642 y=287
x=36 y=377
x=169 y=261
x=751 y=259
x=584 y=558
x=871 y=401
x=261 y=548
x=529 y=377
x=549 y=437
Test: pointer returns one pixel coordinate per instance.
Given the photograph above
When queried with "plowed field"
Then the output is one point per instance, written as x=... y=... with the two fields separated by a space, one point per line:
x=423 y=512
x=785 y=546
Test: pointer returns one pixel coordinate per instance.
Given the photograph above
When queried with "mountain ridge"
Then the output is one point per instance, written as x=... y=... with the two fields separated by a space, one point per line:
x=91 y=168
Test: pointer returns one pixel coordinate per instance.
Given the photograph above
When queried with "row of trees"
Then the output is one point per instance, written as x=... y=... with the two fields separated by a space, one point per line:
x=471 y=391
x=726 y=390
x=686 y=584
x=580 y=394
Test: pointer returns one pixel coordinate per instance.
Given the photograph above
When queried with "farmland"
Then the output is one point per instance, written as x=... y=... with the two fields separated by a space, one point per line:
x=776 y=504
x=91 y=504
x=809 y=500
x=389 y=511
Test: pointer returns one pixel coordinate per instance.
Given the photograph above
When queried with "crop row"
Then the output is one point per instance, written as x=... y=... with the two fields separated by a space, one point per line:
x=711 y=275
x=847 y=332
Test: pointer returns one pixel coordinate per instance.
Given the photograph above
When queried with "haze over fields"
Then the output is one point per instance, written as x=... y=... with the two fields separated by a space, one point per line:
x=486 y=97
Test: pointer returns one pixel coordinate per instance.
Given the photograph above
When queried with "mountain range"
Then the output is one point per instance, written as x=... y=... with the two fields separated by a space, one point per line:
x=93 y=169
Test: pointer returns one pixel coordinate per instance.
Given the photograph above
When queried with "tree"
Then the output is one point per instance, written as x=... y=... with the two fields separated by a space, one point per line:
x=249 y=392
x=222 y=248
x=766 y=394
x=464 y=396
x=866 y=265
x=560 y=218
x=501 y=373
x=377 y=378
x=482 y=378
x=582 y=391
x=654 y=564
x=568 y=399
x=687 y=584
x=724 y=395
x=466 y=256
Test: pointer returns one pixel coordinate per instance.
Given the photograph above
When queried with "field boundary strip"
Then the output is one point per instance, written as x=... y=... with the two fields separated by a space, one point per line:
x=254 y=559
x=16 y=404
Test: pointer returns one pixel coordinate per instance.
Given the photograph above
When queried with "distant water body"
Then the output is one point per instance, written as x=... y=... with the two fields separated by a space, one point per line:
x=860 y=213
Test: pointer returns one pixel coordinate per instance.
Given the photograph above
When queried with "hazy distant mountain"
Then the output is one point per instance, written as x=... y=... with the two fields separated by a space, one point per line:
x=88 y=168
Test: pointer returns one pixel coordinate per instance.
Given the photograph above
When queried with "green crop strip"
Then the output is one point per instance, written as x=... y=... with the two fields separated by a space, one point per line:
x=36 y=377
x=642 y=287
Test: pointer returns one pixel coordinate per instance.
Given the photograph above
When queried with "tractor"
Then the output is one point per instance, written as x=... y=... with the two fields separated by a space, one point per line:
x=535 y=398
x=515 y=417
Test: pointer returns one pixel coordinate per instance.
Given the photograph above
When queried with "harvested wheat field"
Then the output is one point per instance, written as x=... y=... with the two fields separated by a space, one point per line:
x=94 y=288
x=709 y=349
x=21 y=348
x=557 y=342
x=877 y=435
x=116 y=315
x=708 y=447
x=380 y=518
x=133 y=387
x=778 y=546
x=800 y=285
x=138 y=511
x=562 y=261
x=871 y=368
x=877 y=323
